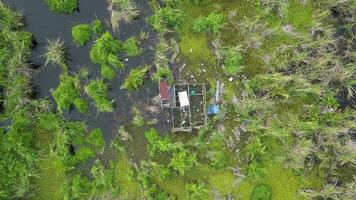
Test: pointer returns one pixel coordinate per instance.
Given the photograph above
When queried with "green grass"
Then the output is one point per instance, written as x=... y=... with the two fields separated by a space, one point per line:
x=51 y=179
x=300 y=15
x=130 y=189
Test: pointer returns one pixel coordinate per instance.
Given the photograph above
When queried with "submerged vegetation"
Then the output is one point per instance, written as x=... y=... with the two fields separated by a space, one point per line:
x=286 y=123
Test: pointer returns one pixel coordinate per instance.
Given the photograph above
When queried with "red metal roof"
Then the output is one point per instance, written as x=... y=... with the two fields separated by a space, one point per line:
x=163 y=89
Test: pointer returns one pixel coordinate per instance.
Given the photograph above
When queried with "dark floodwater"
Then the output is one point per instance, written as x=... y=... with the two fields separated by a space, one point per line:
x=47 y=25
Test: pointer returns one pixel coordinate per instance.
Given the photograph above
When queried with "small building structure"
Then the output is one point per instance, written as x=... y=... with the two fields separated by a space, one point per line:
x=187 y=105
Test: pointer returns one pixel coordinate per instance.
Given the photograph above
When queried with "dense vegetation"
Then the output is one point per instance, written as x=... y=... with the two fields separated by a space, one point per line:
x=286 y=127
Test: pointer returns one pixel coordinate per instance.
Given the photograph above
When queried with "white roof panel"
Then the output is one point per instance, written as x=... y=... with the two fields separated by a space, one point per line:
x=183 y=99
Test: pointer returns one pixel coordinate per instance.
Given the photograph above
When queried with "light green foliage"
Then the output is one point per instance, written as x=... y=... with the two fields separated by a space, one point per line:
x=67 y=94
x=95 y=139
x=163 y=73
x=107 y=72
x=104 y=52
x=217 y=158
x=261 y=192
x=183 y=161
x=196 y=191
x=123 y=10
x=52 y=178
x=233 y=61
x=132 y=48
x=166 y=18
x=81 y=105
x=158 y=144
x=83 y=154
x=98 y=91
x=97 y=27
x=81 y=34
x=212 y=23
x=79 y=187
x=62 y=6
x=254 y=148
x=138 y=119
x=135 y=79
x=55 y=53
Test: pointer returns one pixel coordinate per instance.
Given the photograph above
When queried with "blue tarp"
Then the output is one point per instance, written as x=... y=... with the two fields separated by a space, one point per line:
x=213 y=109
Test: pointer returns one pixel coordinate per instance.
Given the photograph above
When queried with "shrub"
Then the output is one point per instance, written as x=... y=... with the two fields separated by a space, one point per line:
x=81 y=34
x=55 y=53
x=212 y=23
x=95 y=139
x=167 y=18
x=135 y=78
x=67 y=93
x=98 y=91
x=163 y=72
x=125 y=10
x=132 y=47
x=157 y=143
x=137 y=120
x=103 y=47
x=233 y=61
x=217 y=158
x=97 y=27
x=83 y=154
x=261 y=192
x=196 y=191
x=62 y=6
x=104 y=52
x=107 y=72
x=81 y=105
x=183 y=161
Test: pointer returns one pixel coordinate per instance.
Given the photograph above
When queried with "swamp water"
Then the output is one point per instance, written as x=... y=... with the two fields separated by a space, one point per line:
x=44 y=24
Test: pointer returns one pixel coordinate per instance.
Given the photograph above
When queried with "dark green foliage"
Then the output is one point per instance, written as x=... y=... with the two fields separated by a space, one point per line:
x=212 y=23
x=166 y=18
x=135 y=79
x=104 y=52
x=132 y=48
x=81 y=34
x=62 y=6
x=261 y=192
x=98 y=91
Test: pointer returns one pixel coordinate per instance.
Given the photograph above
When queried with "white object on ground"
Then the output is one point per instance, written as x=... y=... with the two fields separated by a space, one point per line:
x=183 y=99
